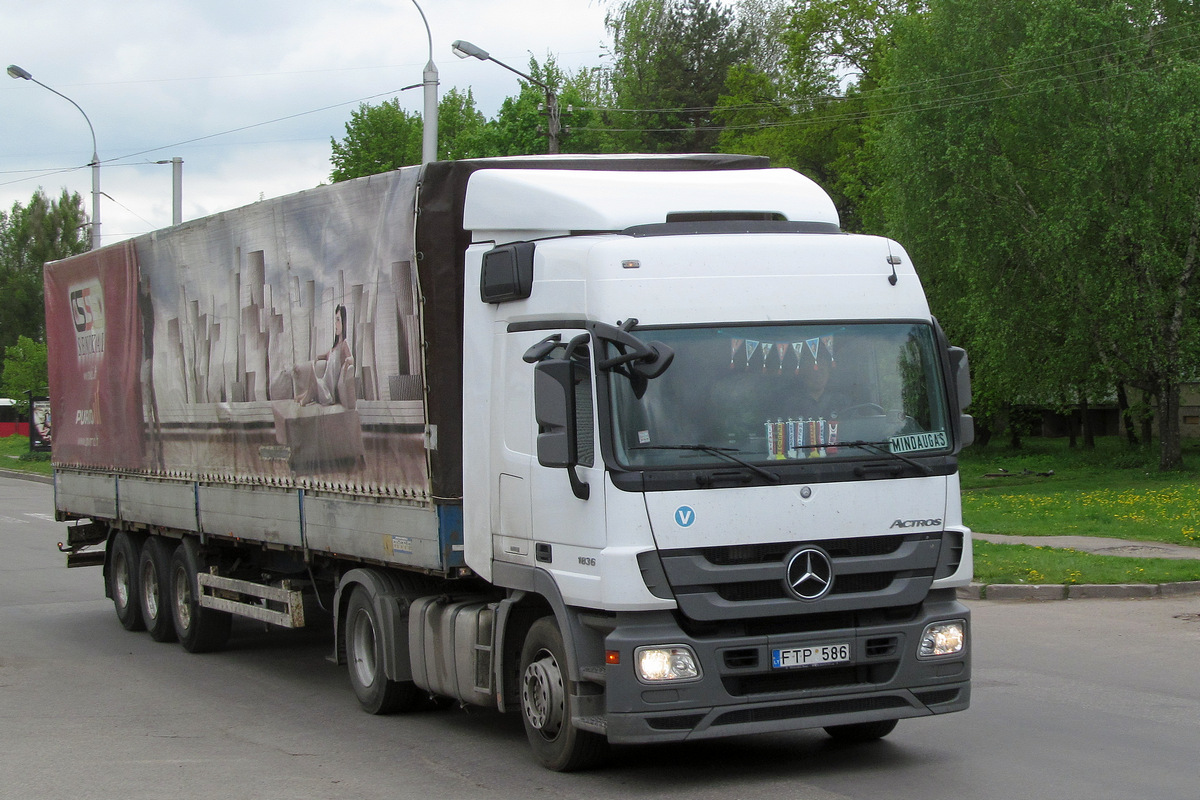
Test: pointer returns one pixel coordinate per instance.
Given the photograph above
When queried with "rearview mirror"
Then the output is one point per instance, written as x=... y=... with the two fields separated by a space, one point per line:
x=555 y=385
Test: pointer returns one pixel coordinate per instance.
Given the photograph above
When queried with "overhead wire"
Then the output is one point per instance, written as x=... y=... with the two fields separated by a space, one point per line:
x=1032 y=75
x=115 y=161
x=1027 y=73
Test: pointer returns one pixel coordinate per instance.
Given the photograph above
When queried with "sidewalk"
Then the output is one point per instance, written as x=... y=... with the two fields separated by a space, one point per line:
x=1087 y=544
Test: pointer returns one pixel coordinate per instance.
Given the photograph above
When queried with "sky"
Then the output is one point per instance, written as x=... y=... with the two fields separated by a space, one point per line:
x=248 y=93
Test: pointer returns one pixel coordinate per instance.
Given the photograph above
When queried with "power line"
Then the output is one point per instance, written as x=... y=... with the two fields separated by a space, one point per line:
x=1033 y=75
x=1030 y=70
x=115 y=160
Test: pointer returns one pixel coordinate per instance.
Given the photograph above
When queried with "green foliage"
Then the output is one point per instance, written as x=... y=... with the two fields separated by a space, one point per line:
x=14 y=454
x=378 y=138
x=460 y=127
x=384 y=137
x=814 y=109
x=521 y=127
x=1018 y=564
x=45 y=230
x=24 y=371
x=830 y=41
x=1040 y=162
x=1110 y=491
x=670 y=62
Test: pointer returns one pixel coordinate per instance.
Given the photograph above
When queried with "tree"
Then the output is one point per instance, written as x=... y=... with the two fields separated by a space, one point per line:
x=24 y=371
x=808 y=104
x=378 y=138
x=45 y=230
x=521 y=126
x=1041 y=161
x=670 y=62
x=461 y=127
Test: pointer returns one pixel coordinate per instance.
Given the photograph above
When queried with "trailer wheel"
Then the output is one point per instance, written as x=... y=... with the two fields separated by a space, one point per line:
x=199 y=629
x=376 y=693
x=123 y=581
x=861 y=731
x=546 y=704
x=154 y=576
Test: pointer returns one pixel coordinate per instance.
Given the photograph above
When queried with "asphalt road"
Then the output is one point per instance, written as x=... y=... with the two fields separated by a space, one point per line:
x=1076 y=699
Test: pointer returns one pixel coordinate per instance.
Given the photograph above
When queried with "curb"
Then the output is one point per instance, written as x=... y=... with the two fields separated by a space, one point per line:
x=1045 y=592
x=28 y=476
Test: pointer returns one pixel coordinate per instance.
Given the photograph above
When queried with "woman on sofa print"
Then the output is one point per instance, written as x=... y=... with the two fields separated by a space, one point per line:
x=317 y=381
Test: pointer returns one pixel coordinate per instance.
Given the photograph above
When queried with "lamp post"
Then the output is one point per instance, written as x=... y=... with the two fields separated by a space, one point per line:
x=429 y=79
x=16 y=72
x=176 y=188
x=467 y=50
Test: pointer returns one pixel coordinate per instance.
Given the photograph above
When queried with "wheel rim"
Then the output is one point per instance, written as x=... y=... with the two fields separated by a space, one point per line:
x=150 y=589
x=362 y=648
x=543 y=697
x=183 y=599
x=121 y=580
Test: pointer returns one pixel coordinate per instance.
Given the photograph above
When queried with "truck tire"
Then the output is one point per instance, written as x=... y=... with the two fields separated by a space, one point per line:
x=376 y=693
x=546 y=704
x=862 y=731
x=199 y=629
x=123 y=584
x=154 y=577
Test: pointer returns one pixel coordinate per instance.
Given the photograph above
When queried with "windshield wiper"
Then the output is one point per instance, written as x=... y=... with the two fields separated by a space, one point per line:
x=723 y=452
x=878 y=449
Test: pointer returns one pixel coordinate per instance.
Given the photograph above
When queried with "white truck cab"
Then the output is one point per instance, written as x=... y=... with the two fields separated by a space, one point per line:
x=696 y=407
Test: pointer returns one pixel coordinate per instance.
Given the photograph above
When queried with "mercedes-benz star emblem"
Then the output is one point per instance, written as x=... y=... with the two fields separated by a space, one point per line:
x=809 y=574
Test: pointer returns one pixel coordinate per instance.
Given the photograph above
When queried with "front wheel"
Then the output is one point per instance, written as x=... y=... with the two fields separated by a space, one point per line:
x=376 y=693
x=546 y=704
x=861 y=731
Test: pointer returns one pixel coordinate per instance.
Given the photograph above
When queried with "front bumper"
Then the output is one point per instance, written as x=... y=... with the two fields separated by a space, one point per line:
x=739 y=692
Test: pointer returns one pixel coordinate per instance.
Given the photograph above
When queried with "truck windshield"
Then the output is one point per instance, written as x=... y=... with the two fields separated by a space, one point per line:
x=784 y=393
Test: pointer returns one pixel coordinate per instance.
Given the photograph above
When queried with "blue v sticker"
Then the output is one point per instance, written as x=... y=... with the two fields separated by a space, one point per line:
x=685 y=516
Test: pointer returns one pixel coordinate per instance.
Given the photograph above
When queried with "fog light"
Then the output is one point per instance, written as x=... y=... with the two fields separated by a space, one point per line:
x=943 y=639
x=670 y=663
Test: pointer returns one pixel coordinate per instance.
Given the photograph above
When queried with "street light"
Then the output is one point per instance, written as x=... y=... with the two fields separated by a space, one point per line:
x=429 y=79
x=16 y=72
x=467 y=50
x=176 y=188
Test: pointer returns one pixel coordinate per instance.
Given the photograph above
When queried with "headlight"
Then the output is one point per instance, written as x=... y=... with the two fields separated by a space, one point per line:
x=668 y=663
x=943 y=639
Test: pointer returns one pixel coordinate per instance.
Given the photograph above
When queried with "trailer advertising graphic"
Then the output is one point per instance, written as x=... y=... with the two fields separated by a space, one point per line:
x=278 y=343
x=93 y=335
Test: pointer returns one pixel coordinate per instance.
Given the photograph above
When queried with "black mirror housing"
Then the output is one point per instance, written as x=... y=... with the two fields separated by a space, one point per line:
x=507 y=273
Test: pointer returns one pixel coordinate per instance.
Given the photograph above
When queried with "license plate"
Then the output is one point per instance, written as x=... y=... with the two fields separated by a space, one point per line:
x=810 y=656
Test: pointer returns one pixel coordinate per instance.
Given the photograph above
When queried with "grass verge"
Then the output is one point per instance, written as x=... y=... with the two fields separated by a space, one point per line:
x=1049 y=489
x=14 y=454
x=1018 y=563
